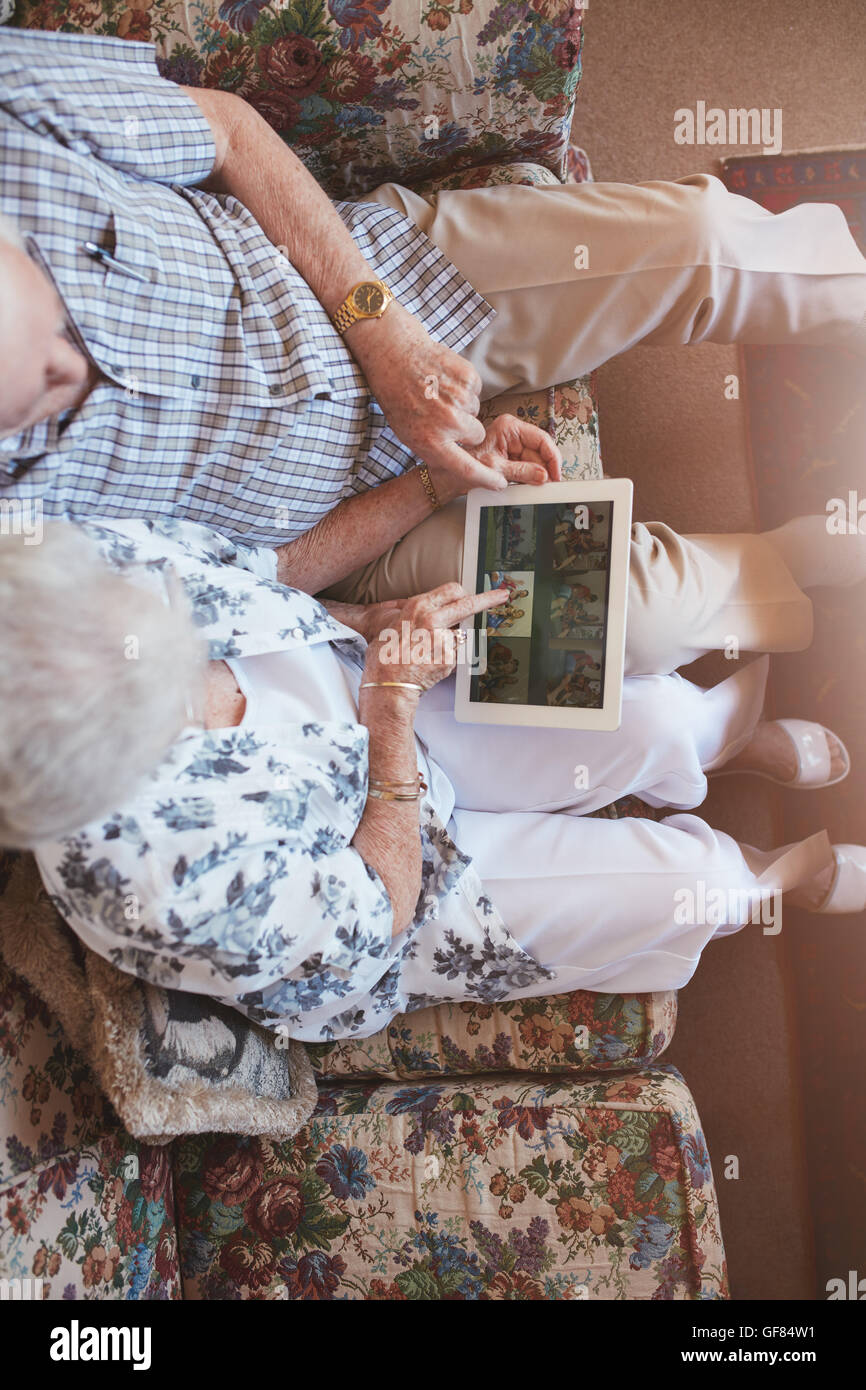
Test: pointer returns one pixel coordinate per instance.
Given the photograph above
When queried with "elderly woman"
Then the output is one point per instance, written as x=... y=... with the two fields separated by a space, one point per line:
x=230 y=790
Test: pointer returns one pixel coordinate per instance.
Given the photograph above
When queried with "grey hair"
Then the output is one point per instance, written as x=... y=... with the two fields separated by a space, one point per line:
x=94 y=674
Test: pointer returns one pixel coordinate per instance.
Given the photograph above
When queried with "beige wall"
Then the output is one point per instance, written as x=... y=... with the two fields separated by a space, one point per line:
x=665 y=420
x=666 y=423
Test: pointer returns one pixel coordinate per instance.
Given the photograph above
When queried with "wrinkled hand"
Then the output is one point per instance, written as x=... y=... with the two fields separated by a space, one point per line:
x=367 y=619
x=428 y=642
x=519 y=451
x=430 y=395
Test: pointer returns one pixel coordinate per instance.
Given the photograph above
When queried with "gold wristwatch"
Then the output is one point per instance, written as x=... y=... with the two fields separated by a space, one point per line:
x=368 y=300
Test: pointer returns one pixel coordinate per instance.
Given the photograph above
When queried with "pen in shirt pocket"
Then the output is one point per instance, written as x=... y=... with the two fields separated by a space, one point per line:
x=111 y=263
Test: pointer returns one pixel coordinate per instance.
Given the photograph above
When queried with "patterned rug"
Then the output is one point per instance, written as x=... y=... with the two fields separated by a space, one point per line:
x=807 y=425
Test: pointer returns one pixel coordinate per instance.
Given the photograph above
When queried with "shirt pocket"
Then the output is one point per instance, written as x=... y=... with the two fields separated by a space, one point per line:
x=147 y=321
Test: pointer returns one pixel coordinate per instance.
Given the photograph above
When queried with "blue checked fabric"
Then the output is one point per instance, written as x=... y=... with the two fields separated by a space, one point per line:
x=227 y=396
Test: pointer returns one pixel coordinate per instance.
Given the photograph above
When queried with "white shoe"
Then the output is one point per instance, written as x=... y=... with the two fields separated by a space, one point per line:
x=848 y=892
x=813 y=757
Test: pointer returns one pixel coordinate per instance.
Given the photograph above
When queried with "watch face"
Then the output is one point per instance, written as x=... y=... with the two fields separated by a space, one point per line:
x=369 y=299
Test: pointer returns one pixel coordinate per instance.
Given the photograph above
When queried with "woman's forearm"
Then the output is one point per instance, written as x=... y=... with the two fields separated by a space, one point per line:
x=387 y=837
x=357 y=531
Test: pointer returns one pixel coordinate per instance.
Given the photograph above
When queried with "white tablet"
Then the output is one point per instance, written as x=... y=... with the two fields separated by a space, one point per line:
x=552 y=656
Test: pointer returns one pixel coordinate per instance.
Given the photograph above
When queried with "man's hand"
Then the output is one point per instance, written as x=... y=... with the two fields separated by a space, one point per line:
x=519 y=451
x=513 y=449
x=429 y=394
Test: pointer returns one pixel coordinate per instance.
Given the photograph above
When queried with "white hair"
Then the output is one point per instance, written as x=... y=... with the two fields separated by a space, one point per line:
x=94 y=676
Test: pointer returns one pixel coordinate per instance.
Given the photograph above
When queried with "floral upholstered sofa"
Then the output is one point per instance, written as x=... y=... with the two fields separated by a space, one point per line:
x=535 y=1150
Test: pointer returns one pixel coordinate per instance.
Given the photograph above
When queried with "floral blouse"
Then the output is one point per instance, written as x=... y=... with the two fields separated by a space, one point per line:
x=231 y=871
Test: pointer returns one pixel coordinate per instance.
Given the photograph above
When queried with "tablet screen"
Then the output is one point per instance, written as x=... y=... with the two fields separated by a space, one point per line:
x=546 y=645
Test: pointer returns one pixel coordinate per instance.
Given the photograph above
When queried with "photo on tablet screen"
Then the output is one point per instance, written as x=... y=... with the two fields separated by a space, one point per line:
x=546 y=645
x=514 y=618
x=510 y=540
x=581 y=537
x=575 y=676
x=506 y=678
x=577 y=607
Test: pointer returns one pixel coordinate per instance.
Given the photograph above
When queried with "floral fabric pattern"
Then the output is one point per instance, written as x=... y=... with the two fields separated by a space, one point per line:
x=82 y=1206
x=367 y=91
x=483 y=1190
x=490 y=176
x=566 y=1033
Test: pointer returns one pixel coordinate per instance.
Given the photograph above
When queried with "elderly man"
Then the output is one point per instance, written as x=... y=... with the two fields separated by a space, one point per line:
x=190 y=339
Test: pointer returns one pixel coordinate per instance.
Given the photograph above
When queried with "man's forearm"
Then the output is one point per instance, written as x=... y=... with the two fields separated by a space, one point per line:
x=397 y=356
x=357 y=531
x=255 y=166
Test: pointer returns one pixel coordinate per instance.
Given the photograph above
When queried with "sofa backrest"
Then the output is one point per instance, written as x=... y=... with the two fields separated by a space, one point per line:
x=368 y=91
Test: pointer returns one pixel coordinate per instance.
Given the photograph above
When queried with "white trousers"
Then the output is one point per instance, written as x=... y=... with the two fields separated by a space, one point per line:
x=614 y=905
x=580 y=272
x=626 y=905
x=672 y=733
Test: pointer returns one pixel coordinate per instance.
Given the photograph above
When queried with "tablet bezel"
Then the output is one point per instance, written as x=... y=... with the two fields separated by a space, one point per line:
x=608 y=717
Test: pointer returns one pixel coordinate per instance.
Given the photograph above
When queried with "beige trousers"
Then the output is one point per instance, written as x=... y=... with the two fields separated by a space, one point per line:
x=580 y=272
x=687 y=594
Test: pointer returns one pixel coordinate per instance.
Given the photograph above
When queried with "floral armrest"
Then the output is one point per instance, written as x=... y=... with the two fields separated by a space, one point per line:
x=500 y=1188
x=84 y=1207
x=563 y=1033
x=368 y=91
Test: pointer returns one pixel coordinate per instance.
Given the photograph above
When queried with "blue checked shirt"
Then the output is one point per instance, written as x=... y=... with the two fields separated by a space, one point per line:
x=227 y=396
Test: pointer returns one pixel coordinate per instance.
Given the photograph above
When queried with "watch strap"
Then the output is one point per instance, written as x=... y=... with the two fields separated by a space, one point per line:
x=346 y=315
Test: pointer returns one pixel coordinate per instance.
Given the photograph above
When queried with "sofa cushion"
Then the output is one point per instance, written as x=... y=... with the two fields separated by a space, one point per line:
x=562 y=1033
x=171 y=1063
x=366 y=91
x=51 y=1102
x=494 y=1189
x=577 y=170
x=82 y=1205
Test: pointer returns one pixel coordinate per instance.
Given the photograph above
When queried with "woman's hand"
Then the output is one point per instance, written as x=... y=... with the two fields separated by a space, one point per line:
x=416 y=641
x=367 y=619
x=416 y=644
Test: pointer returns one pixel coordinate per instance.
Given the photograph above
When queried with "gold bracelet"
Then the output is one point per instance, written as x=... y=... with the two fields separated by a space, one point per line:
x=383 y=785
x=394 y=796
x=427 y=483
x=403 y=685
